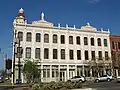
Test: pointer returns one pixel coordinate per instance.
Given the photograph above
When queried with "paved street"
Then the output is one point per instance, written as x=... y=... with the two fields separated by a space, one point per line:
x=95 y=86
x=105 y=85
x=5 y=88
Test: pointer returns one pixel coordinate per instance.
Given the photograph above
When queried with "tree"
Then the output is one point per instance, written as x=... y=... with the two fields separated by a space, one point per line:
x=31 y=71
x=98 y=66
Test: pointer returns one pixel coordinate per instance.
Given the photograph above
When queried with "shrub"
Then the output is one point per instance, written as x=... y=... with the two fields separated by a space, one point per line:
x=36 y=87
x=57 y=86
x=78 y=85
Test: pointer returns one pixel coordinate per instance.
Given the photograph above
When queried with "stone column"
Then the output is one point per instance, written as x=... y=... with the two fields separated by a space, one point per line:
x=50 y=72
x=116 y=72
x=41 y=73
x=67 y=71
x=58 y=72
x=83 y=70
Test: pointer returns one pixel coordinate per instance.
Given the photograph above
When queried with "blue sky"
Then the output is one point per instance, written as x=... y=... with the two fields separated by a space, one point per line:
x=100 y=13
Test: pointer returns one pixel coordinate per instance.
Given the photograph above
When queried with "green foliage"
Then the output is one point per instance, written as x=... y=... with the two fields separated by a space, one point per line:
x=57 y=86
x=31 y=71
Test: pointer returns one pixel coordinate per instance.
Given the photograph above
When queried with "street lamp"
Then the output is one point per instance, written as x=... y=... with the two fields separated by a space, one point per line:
x=17 y=54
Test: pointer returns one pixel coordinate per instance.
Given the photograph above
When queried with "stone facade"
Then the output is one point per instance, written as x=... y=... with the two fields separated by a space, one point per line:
x=63 y=52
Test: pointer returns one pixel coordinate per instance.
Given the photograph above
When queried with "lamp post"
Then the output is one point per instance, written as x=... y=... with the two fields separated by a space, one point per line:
x=17 y=54
x=19 y=63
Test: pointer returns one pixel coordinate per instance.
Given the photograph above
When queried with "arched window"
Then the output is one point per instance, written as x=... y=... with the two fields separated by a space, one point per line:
x=20 y=36
x=54 y=38
x=85 y=41
x=46 y=38
x=78 y=40
x=29 y=37
x=92 y=41
x=38 y=37
x=70 y=39
x=99 y=41
x=105 y=42
x=62 y=39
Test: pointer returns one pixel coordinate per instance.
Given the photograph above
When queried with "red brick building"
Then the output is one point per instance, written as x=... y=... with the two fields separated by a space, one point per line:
x=115 y=51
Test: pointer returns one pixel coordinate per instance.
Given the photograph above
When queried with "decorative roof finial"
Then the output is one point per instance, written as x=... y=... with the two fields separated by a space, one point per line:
x=88 y=24
x=58 y=25
x=66 y=25
x=21 y=10
x=108 y=30
x=102 y=29
x=74 y=27
x=42 y=16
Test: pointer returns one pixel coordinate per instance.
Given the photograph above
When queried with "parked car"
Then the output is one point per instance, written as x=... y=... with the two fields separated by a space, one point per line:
x=1 y=79
x=104 y=78
x=77 y=79
x=118 y=78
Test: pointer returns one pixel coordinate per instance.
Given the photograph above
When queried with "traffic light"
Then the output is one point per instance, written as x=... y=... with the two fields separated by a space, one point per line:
x=8 y=64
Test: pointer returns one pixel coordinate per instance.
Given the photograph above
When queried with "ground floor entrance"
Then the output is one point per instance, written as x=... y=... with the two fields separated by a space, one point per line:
x=64 y=72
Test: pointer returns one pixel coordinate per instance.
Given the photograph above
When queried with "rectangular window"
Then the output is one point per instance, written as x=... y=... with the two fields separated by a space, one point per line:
x=28 y=52
x=93 y=55
x=100 y=55
x=71 y=54
x=37 y=53
x=62 y=39
x=62 y=53
x=106 y=55
x=19 y=52
x=54 y=53
x=78 y=55
x=70 y=39
x=46 y=53
x=86 y=55
x=29 y=37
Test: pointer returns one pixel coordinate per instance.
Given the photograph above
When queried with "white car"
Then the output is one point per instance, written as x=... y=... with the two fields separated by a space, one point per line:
x=77 y=79
x=118 y=78
x=104 y=78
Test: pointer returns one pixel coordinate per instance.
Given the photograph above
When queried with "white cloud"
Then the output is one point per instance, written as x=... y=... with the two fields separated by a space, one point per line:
x=94 y=1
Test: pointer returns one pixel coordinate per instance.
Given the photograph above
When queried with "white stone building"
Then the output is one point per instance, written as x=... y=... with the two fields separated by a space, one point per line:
x=63 y=52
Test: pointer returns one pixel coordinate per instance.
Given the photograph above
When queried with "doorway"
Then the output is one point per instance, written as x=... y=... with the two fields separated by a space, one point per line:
x=62 y=75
